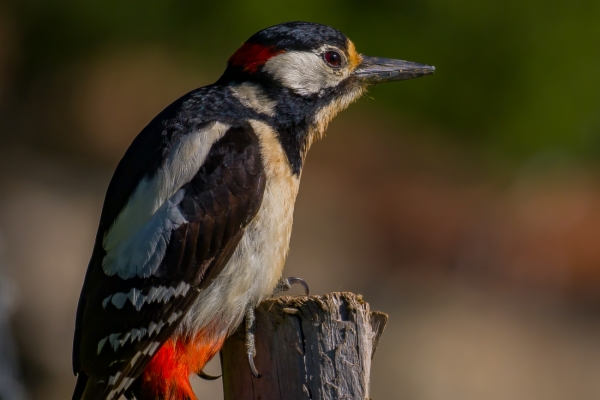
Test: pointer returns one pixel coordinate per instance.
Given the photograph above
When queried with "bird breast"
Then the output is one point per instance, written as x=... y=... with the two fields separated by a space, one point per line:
x=257 y=263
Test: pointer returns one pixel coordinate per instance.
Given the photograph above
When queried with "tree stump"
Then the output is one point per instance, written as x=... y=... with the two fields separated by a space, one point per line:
x=307 y=347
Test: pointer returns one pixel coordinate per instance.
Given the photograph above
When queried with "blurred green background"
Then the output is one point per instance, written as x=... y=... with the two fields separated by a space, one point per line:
x=514 y=77
x=465 y=204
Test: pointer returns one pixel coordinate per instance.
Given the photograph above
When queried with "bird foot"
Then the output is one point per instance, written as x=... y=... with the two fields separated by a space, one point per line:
x=250 y=346
x=285 y=284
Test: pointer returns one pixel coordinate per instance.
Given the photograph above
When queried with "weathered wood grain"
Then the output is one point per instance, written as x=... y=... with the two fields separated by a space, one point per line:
x=317 y=347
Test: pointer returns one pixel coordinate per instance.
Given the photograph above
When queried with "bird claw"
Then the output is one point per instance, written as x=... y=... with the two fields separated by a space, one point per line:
x=285 y=284
x=208 y=377
x=250 y=346
x=252 y=366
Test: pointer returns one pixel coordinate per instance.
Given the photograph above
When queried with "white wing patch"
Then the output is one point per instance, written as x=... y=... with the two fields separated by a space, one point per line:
x=142 y=253
x=137 y=241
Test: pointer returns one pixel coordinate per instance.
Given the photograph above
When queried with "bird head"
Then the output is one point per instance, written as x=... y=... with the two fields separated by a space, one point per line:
x=302 y=74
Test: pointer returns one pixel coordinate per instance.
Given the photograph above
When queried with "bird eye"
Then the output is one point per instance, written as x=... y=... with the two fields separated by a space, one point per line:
x=333 y=58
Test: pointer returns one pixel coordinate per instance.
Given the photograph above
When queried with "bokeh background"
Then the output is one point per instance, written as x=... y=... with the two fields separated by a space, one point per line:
x=465 y=204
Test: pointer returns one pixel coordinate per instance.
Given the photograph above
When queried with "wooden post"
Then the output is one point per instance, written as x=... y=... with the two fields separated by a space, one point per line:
x=317 y=347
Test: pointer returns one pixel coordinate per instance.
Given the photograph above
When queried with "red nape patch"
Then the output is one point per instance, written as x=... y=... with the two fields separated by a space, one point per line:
x=252 y=56
x=167 y=376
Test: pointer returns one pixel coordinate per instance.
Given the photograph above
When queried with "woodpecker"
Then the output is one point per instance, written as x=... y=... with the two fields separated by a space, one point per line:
x=196 y=223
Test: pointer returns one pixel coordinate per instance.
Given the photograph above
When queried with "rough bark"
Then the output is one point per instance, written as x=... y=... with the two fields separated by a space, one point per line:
x=317 y=347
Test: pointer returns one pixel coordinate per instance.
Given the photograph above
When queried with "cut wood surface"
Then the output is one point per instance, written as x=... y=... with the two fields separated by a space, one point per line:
x=307 y=347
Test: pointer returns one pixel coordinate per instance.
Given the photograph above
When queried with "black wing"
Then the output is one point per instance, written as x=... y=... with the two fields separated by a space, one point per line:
x=122 y=322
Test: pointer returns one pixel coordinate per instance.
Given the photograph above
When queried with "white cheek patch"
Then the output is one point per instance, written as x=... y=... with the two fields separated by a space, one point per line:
x=304 y=72
x=137 y=241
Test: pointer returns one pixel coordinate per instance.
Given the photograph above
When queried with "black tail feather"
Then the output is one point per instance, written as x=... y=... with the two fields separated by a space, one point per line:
x=82 y=379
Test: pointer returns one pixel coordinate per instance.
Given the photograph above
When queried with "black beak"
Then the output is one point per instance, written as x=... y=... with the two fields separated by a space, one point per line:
x=375 y=70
